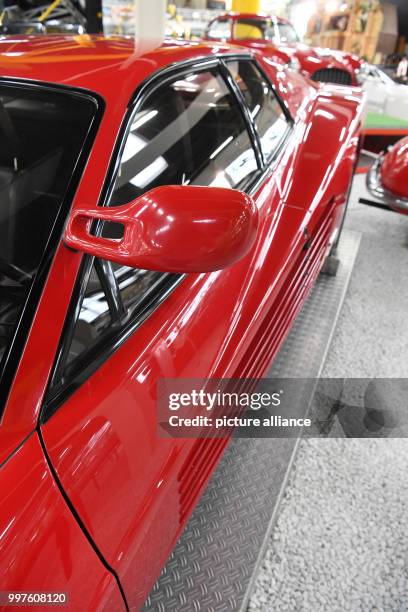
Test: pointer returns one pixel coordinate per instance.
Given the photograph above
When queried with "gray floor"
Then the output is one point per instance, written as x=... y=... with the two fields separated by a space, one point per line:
x=341 y=538
x=371 y=338
x=340 y=543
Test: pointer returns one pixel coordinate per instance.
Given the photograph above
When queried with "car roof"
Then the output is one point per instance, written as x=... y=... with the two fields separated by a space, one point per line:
x=236 y=16
x=110 y=66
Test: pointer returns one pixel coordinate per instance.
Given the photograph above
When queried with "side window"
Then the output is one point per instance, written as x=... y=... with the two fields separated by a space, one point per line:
x=113 y=294
x=266 y=111
x=220 y=30
x=93 y=320
x=188 y=130
x=286 y=33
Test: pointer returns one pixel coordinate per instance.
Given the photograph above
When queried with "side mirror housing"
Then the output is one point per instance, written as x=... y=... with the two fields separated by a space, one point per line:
x=171 y=229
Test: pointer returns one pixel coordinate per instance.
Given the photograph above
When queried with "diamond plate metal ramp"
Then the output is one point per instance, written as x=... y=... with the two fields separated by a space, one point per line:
x=214 y=564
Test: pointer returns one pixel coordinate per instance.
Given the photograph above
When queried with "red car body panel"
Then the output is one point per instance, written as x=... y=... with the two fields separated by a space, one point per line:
x=132 y=491
x=42 y=546
x=310 y=59
x=387 y=178
x=394 y=169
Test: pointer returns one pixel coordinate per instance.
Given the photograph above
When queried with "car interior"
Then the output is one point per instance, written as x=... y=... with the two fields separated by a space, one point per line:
x=41 y=137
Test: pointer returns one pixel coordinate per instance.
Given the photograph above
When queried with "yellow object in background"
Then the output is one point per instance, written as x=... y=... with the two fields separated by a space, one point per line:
x=172 y=10
x=246 y=6
x=49 y=10
x=244 y=31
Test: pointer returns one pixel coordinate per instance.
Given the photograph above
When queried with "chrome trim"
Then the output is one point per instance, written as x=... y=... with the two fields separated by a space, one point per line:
x=376 y=189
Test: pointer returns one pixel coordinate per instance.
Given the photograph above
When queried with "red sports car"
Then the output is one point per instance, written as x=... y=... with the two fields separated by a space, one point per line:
x=387 y=179
x=164 y=215
x=276 y=37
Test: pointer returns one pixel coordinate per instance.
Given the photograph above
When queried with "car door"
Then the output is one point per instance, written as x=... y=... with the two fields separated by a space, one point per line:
x=131 y=489
x=47 y=133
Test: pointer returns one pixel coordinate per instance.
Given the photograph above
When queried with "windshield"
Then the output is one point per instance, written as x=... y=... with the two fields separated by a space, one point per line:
x=287 y=33
x=264 y=29
x=42 y=133
x=373 y=74
x=379 y=74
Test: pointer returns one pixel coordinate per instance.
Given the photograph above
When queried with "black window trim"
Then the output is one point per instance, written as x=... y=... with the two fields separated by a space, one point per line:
x=251 y=128
x=11 y=359
x=254 y=130
x=269 y=166
x=58 y=391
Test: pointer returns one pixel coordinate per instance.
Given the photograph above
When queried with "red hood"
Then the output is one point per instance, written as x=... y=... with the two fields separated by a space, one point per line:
x=309 y=58
x=315 y=58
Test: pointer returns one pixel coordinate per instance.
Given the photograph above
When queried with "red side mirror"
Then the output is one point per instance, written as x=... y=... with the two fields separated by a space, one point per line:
x=171 y=229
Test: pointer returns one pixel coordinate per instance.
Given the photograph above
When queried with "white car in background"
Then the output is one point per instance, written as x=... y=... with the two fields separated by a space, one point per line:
x=383 y=94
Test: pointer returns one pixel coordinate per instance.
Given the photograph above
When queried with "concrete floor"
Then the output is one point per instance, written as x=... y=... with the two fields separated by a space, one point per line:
x=340 y=542
x=371 y=337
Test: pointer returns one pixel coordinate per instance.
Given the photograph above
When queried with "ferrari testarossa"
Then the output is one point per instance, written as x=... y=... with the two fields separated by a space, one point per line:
x=163 y=214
